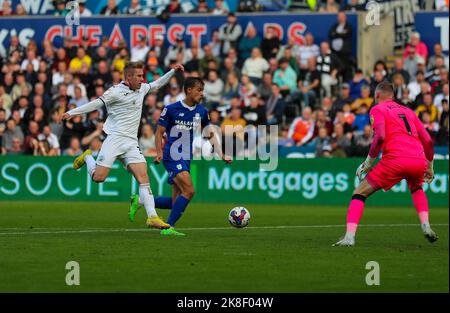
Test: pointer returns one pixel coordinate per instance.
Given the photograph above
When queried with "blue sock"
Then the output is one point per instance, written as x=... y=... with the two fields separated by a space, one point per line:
x=163 y=203
x=177 y=210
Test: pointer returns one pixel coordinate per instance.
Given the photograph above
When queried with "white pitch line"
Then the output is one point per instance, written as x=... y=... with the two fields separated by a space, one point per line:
x=112 y=230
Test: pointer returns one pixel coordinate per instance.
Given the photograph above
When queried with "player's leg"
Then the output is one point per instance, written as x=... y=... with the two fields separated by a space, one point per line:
x=139 y=171
x=415 y=174
x=163 y=203
x=355 y=211
x=175 y=193
x=184 y=183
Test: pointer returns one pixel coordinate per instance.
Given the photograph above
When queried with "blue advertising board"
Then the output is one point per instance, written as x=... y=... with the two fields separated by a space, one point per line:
x=192 y=27
x=433 y=29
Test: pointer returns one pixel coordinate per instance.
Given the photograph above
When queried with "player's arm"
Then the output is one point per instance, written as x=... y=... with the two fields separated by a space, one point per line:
x=160 y=130
x=86 y=108
x=379 y=134
x=428 y=148
x=163 y=123
x=212 y=135
x=162 y=81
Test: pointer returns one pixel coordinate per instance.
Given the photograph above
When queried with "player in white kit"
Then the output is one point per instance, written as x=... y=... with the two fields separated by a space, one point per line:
x=124 y=106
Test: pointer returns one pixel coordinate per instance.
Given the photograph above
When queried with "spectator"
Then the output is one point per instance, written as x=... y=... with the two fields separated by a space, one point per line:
x=285 y=77
x=6 y=9
x=82 y=59
x=231 y=88
x=135 y=8
x=441 y=96
x=174 y=51
x=329 y=7
x=221 y=8
x=175 y=94
x=270 y=44
x=56 y=124
x=306 y=51
x=120 y=59
x=340 y=142
x=78 y=99
x=275 y=106
x=20 y=86
x=147 y=141
x=322 y=120
x=246 y=90
x=265 y=88
x=340 y=36
x=5 y=98
x=301 y=130
x=361 y=118
x=438 y=52
x=255 y=66
x=328 y=66
x=174 y=7
x=12 y=131
x=31 y=140
x=110 y=9
x=398 y=84
x=364 y=99
x=411 y=61
x=153 y=121
x=139 y=52
x=2 y=117
x=375 y=79
x=420 y=47
x=247 y=43
x=323 y=143
x=215 y=44
x=309 y=83
x=406 y=99
x=344 y=98
x=287 y=53
x=74 y=148
x=429 y=107
x=159 y=48
x=60 y=8
x=31 y=58
x=213 y=90
x=443 y=124
x=357 y=83
x=229 y=34
x=51 y=139
x=233 y=127
x=16 y=147
x=84 y=12
x=362 y=142
x=202 y=7
x=72 y=127
x=414 y=85
x=430 y=126
x=95 y=146
x=214 y=117
x=399 y=69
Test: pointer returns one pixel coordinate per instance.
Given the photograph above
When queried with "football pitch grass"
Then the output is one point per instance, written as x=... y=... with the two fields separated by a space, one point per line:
x=286 y=248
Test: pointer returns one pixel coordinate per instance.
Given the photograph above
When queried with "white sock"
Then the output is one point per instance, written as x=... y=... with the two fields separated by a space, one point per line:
x=90 y=164
x=146 y=197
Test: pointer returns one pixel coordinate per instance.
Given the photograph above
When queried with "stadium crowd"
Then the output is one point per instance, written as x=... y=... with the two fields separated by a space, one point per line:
x=314 y=92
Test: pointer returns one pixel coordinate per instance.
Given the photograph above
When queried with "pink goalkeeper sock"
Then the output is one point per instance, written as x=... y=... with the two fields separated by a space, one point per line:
x=421 y=204
x=354 y=214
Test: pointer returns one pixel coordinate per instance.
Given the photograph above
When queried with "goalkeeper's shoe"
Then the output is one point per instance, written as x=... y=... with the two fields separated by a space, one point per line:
x=134 y=207
x=171 y=232
x=348 y=241
x=79 y=161
x=157 y=222
x=429 y=234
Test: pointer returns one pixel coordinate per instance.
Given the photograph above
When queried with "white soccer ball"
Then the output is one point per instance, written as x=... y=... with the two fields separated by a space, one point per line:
x=239 y=217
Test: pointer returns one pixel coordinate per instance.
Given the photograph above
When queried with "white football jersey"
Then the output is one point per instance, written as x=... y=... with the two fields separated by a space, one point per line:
x=124 y=108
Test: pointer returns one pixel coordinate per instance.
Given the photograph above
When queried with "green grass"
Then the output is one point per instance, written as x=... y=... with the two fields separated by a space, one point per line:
x=37 y=239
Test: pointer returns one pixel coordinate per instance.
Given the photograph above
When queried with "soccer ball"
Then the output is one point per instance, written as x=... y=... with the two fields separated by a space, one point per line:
x=239 y=217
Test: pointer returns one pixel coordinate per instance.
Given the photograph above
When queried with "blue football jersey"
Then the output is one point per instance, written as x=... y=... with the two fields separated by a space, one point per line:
x=180 y=122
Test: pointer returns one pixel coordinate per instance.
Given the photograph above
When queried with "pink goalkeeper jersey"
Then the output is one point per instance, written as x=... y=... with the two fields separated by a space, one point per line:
x=402 y=130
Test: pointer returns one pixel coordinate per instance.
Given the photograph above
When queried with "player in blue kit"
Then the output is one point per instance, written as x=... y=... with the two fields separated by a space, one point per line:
x=179 y=121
